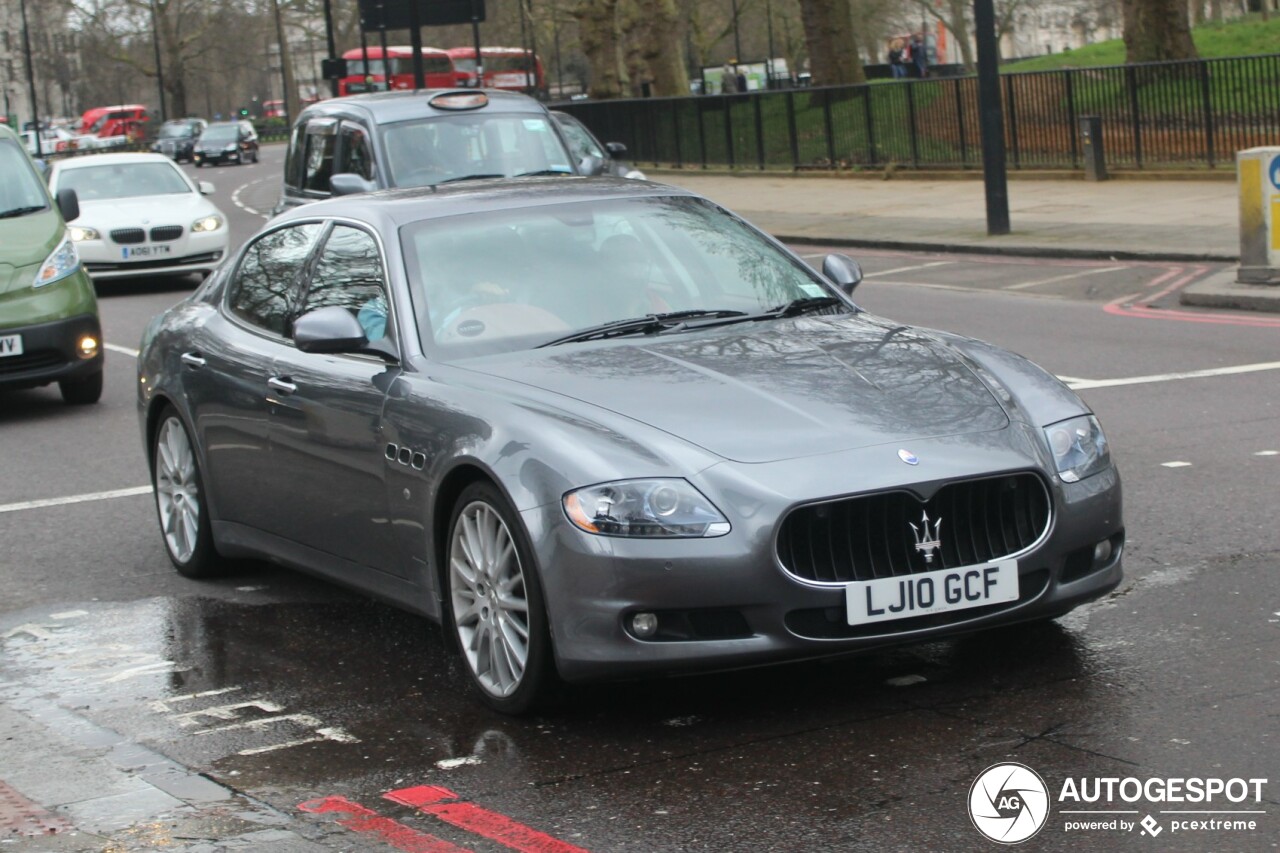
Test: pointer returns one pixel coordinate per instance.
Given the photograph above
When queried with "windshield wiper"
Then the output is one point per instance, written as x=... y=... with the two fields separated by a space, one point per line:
x=21 y=211
x=542 y=172
x=469 y=178
x=796 y=307
x=646 y=325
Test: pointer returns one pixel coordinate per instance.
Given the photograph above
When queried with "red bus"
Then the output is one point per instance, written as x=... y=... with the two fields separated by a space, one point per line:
x=120 y=120
x=510 y=68
x=437 y=67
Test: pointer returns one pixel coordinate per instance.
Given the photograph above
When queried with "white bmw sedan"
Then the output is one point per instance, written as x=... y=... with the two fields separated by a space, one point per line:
x=140 y=215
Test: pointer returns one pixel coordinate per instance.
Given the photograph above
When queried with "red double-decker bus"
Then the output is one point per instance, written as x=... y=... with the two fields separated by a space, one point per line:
x=395 y=70
x=511 y=68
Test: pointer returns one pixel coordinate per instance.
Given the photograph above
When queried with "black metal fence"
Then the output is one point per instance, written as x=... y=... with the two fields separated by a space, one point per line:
x=1195 y=113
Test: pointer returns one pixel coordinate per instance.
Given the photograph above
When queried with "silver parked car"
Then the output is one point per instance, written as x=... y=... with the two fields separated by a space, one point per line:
x=603 y=428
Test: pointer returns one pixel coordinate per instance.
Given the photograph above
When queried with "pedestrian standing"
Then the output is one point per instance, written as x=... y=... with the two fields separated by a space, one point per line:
x=728 y=79
x=897 y=62
x=920 y=56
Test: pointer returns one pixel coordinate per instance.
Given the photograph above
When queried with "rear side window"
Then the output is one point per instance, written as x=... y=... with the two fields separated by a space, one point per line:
x=318 y=157
x=261 y=294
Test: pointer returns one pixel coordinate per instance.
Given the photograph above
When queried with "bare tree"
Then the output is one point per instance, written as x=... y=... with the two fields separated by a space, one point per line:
x=1157 y=31
x=828 y=30
x=661 y=46
x=600 y=36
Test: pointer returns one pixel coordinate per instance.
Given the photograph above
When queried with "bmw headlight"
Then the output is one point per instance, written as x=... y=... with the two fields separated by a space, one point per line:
x=206 y=223
x=80 y=233
x=644 y=508
x=1079 y=448
x=62 y=262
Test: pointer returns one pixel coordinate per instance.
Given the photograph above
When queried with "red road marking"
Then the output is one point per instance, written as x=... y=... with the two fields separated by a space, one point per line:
x=368 y=821
x=23 y=818
x=1140 y=307
x=445 y=804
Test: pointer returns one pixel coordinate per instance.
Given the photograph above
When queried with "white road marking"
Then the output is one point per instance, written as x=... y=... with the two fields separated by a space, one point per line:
x=132 y=353
x=76 y=499
x=452 y=763
x=1175 y=464
x=909 y=269
x=1066 y=277
x=235 y=197
x=1169 y=377
x=69 y=614
x=1267 y=453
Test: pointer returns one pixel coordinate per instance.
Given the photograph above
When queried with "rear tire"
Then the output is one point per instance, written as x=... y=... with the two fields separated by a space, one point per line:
x=180 y=500
x=496 y=608
x=83 y=391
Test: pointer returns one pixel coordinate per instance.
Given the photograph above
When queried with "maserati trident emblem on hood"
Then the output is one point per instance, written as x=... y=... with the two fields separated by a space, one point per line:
x=928 y=540
x=908 y=457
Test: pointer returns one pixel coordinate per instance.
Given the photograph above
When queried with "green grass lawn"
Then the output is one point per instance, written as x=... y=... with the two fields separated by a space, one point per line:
x=1249 y=36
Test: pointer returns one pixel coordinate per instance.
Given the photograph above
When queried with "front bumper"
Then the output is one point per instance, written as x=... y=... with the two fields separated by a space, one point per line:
x=51 y=352
x=201 y=158
x=727 y=602
x=190 y=253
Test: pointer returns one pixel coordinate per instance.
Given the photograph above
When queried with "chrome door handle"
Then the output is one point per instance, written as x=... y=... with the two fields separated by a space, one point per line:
x=193 y=359
x=281 y=384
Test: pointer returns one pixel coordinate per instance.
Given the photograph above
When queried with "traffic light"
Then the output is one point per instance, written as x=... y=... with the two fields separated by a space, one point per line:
x=243 y=112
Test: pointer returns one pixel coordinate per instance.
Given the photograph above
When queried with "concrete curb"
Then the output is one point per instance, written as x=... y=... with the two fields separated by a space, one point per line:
x=1221 y=290
x=1009 y=251
x=903 y=173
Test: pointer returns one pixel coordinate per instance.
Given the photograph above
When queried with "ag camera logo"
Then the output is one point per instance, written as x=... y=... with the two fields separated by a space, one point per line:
x=1009 y=803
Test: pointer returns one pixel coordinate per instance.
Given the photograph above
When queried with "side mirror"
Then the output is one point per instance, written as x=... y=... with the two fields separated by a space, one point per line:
x=843 y=271
x=206 y=188
x=329 y=330
x=590 y=165
x=68 y=204
x=349 y=183
x=617 y=149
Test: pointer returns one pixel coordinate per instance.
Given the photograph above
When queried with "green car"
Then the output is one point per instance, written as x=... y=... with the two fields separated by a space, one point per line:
x=49 y=329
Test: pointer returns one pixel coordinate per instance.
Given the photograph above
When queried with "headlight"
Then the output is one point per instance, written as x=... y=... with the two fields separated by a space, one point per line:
x=80 y=233
x=207 y=223
x=644 y=508
x=1079 y=448
x=635 y=175
x=62 y=262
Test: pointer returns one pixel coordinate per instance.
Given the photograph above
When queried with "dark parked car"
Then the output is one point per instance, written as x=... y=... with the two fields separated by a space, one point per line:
x=413 y=139
x=607 y=157
x=602 y=428
x=227 y=142
x=177 y=138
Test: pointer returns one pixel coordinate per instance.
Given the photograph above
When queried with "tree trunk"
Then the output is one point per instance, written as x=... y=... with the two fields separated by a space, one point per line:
x=600 y=38
x=292 y=103
x=1157 y=31
x=959 y=26
x=662 y=47
x=828 y=31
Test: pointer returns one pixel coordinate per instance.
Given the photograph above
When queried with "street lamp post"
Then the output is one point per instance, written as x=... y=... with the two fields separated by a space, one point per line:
x=737 y=41
x=991 y=119
x=31 y=77
x=155 y=43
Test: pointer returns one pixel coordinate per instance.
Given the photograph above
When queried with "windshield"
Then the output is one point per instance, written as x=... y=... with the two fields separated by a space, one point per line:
x=457 y=147
x=507 y=62
x=466 y=65
x=123 y=180
x=20 y=188
x=220 y=133
x=177 y=131
x=510 y=280
x=355 y=68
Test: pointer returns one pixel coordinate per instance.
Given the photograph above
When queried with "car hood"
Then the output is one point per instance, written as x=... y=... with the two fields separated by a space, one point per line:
x=26 y=240
x=170 y=209
x=762 y=392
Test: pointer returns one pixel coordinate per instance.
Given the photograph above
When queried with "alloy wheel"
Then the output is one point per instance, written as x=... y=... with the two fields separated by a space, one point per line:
x=177 y=490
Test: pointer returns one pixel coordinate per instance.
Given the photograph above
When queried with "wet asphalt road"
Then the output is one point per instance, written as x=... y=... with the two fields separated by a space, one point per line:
x=290 y=689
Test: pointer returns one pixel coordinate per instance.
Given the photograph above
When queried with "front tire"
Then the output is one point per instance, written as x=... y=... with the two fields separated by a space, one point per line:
x=83 y=391
x=495 y=603
x=180 y=503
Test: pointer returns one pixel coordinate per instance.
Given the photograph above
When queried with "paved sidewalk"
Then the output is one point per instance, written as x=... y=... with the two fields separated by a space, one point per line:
x=1172 y=220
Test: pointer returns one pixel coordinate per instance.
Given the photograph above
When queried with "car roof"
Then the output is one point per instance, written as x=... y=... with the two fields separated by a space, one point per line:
x=390 y=107
x=110 y=160
x=396 y=207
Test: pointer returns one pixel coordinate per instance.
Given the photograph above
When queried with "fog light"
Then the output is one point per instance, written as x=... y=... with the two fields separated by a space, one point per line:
x=88 y=346
x=1102 y=552
x=644 y=625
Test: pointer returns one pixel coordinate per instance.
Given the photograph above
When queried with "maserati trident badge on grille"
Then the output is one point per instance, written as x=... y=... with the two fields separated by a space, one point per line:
x=908 y=457
x=928 y=540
